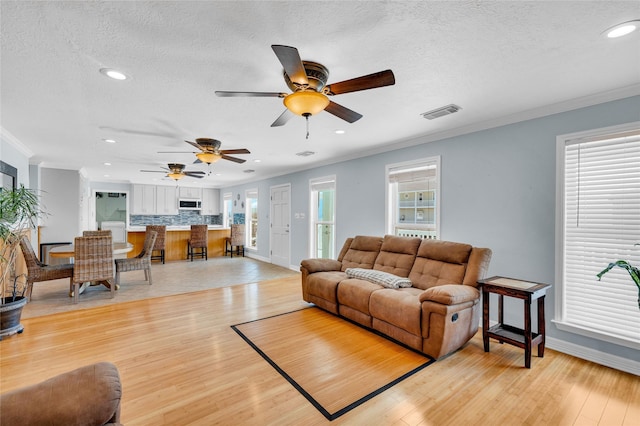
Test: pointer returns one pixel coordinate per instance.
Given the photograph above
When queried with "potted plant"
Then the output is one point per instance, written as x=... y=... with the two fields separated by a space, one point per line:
x=633 y=272
x=19 y=209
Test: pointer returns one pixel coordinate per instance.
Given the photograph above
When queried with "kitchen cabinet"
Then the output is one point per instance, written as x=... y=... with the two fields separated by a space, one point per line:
x=188 y=192
x=143 y=199
x=210 y=201
x=166 y=200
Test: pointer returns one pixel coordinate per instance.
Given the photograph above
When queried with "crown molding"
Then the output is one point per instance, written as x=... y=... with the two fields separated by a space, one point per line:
x=15 y=142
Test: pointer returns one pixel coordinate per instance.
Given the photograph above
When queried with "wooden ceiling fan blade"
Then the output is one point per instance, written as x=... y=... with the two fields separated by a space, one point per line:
x=282 y=120
x=234 y=159
x=227 y=94
x=342 y=112
x=195 y=174
x=291 y=62
x=235 y=151
x=195 y=145
x=371 y=81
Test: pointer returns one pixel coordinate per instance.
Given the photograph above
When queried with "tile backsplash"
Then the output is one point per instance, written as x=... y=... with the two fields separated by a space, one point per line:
x=184 y=217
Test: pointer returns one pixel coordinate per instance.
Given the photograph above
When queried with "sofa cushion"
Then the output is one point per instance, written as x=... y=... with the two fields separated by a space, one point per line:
x=382 y=278
x=325 y=284
x=397 y=255
x=400 y=308
x=362 y=252
x=438 y=263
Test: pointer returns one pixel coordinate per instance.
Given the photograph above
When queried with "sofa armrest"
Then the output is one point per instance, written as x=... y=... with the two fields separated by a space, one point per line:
x=450 y=294
x=320 y=265
x=89 y=395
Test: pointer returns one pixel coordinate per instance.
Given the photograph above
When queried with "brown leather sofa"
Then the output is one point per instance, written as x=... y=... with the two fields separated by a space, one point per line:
x=86 y=396
x=437 y=315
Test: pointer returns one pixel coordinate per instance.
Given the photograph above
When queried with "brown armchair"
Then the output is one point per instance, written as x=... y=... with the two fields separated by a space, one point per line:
x=199 y=240
x=93 y=262
x=38 y=271
x=89 y=395
x=142 y=262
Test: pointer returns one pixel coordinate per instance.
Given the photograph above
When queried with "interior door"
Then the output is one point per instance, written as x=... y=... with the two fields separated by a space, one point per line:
x=280 y=215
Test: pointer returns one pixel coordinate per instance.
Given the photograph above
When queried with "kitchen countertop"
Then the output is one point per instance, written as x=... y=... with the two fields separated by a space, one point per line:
x=174 y=228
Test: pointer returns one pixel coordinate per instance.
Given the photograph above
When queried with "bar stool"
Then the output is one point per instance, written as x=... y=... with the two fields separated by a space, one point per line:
x=161 y=232
x=235 y=240
x=199 y=240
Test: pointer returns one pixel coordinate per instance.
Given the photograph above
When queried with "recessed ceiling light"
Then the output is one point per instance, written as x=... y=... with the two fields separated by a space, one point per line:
x=109 y=140
x=107 y=164
x=111 y=73
x=249 y=171
x=257 y=161
x=106 y=176
x=305 y=153
x=218 y=174
x=622 y=29
x=339 y=132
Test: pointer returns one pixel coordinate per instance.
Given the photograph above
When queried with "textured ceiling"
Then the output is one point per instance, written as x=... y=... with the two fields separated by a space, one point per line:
x=494 y=59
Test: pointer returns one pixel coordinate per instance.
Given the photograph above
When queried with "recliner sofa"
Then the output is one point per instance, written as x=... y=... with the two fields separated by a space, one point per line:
x=422 y=293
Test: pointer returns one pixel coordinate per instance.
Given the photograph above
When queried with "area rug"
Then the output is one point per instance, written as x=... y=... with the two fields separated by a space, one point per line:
x=336 y=364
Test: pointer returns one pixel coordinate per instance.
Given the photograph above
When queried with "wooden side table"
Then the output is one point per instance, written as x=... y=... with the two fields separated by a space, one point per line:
x=522 y=338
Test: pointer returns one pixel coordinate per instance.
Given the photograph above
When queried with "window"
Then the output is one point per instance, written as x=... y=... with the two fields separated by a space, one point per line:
x=413 y=198
x=227 y=211
x=323 y=211
x=251 y=214
x=599 y=215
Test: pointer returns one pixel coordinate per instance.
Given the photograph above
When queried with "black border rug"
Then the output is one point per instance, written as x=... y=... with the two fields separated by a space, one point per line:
x=319 y=407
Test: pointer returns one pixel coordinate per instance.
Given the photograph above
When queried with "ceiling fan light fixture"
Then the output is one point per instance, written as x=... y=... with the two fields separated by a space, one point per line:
x=208 y=157
x=175 y=176
x=622 y=29
x=306 y=102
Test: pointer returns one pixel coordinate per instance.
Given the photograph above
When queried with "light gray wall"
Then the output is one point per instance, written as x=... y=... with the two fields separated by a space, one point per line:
x=61 y=200
x=498 y=191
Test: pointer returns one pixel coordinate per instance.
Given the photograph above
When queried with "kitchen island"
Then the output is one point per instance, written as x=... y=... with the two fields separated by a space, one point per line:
x=176 y=241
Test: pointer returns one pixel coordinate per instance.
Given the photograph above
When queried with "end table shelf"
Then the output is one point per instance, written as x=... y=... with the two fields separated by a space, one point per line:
x=522 y=338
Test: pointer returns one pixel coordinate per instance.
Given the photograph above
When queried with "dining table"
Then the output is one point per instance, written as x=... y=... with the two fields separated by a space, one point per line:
x=120 y=250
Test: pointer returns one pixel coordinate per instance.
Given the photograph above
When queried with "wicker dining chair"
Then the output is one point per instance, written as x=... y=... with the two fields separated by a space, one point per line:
x=198 y=240
x=161 y=231
x=93 y=257
x=142 y=262
x=38 y=271
x=106 y=233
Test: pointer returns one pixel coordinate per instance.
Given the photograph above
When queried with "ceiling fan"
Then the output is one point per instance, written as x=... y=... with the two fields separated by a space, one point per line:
x=308 y=81
x=177 y=172
x=210 y=152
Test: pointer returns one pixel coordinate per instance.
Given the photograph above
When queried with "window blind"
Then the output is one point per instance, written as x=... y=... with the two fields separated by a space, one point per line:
x=601 y=225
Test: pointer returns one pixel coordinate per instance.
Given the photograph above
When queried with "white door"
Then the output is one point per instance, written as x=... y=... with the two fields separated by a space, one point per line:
x=280 y=215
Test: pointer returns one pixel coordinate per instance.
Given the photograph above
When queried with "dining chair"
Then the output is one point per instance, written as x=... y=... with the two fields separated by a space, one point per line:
x=161 y=231
x=38 y=271
x=103 y=233
x=235 y=239
x=142 y=262
x=198 y=240
x=93 y=257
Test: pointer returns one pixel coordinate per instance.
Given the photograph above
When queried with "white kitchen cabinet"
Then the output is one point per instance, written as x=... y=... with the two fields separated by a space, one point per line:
x=143 y=200
x=210 y=201
x=188 y=192
x=166 y=200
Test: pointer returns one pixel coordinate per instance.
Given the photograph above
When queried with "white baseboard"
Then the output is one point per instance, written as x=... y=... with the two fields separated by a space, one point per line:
x=608 y=360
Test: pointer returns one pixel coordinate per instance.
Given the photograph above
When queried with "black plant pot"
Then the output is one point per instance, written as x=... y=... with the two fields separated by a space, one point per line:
x=10 y=312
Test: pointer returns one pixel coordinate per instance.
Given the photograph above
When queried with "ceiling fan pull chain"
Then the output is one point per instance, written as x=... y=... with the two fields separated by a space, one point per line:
x=306 y=116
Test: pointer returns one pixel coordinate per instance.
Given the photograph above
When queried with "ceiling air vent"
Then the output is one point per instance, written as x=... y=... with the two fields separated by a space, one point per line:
x=305 y=153
x=441 y=112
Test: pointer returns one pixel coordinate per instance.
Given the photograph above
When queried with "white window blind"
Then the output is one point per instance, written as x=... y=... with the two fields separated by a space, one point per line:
x=601 y=225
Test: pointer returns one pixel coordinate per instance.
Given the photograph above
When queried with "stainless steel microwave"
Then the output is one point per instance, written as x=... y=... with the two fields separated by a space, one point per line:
x=189 y=204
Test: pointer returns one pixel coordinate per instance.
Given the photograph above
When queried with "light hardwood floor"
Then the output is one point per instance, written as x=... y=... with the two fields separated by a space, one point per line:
x=181 y=363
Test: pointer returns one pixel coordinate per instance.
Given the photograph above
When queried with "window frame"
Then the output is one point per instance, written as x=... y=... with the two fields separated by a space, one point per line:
x=251 y=194
x=391 y=195
x=560 y=288
x=313 y=220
